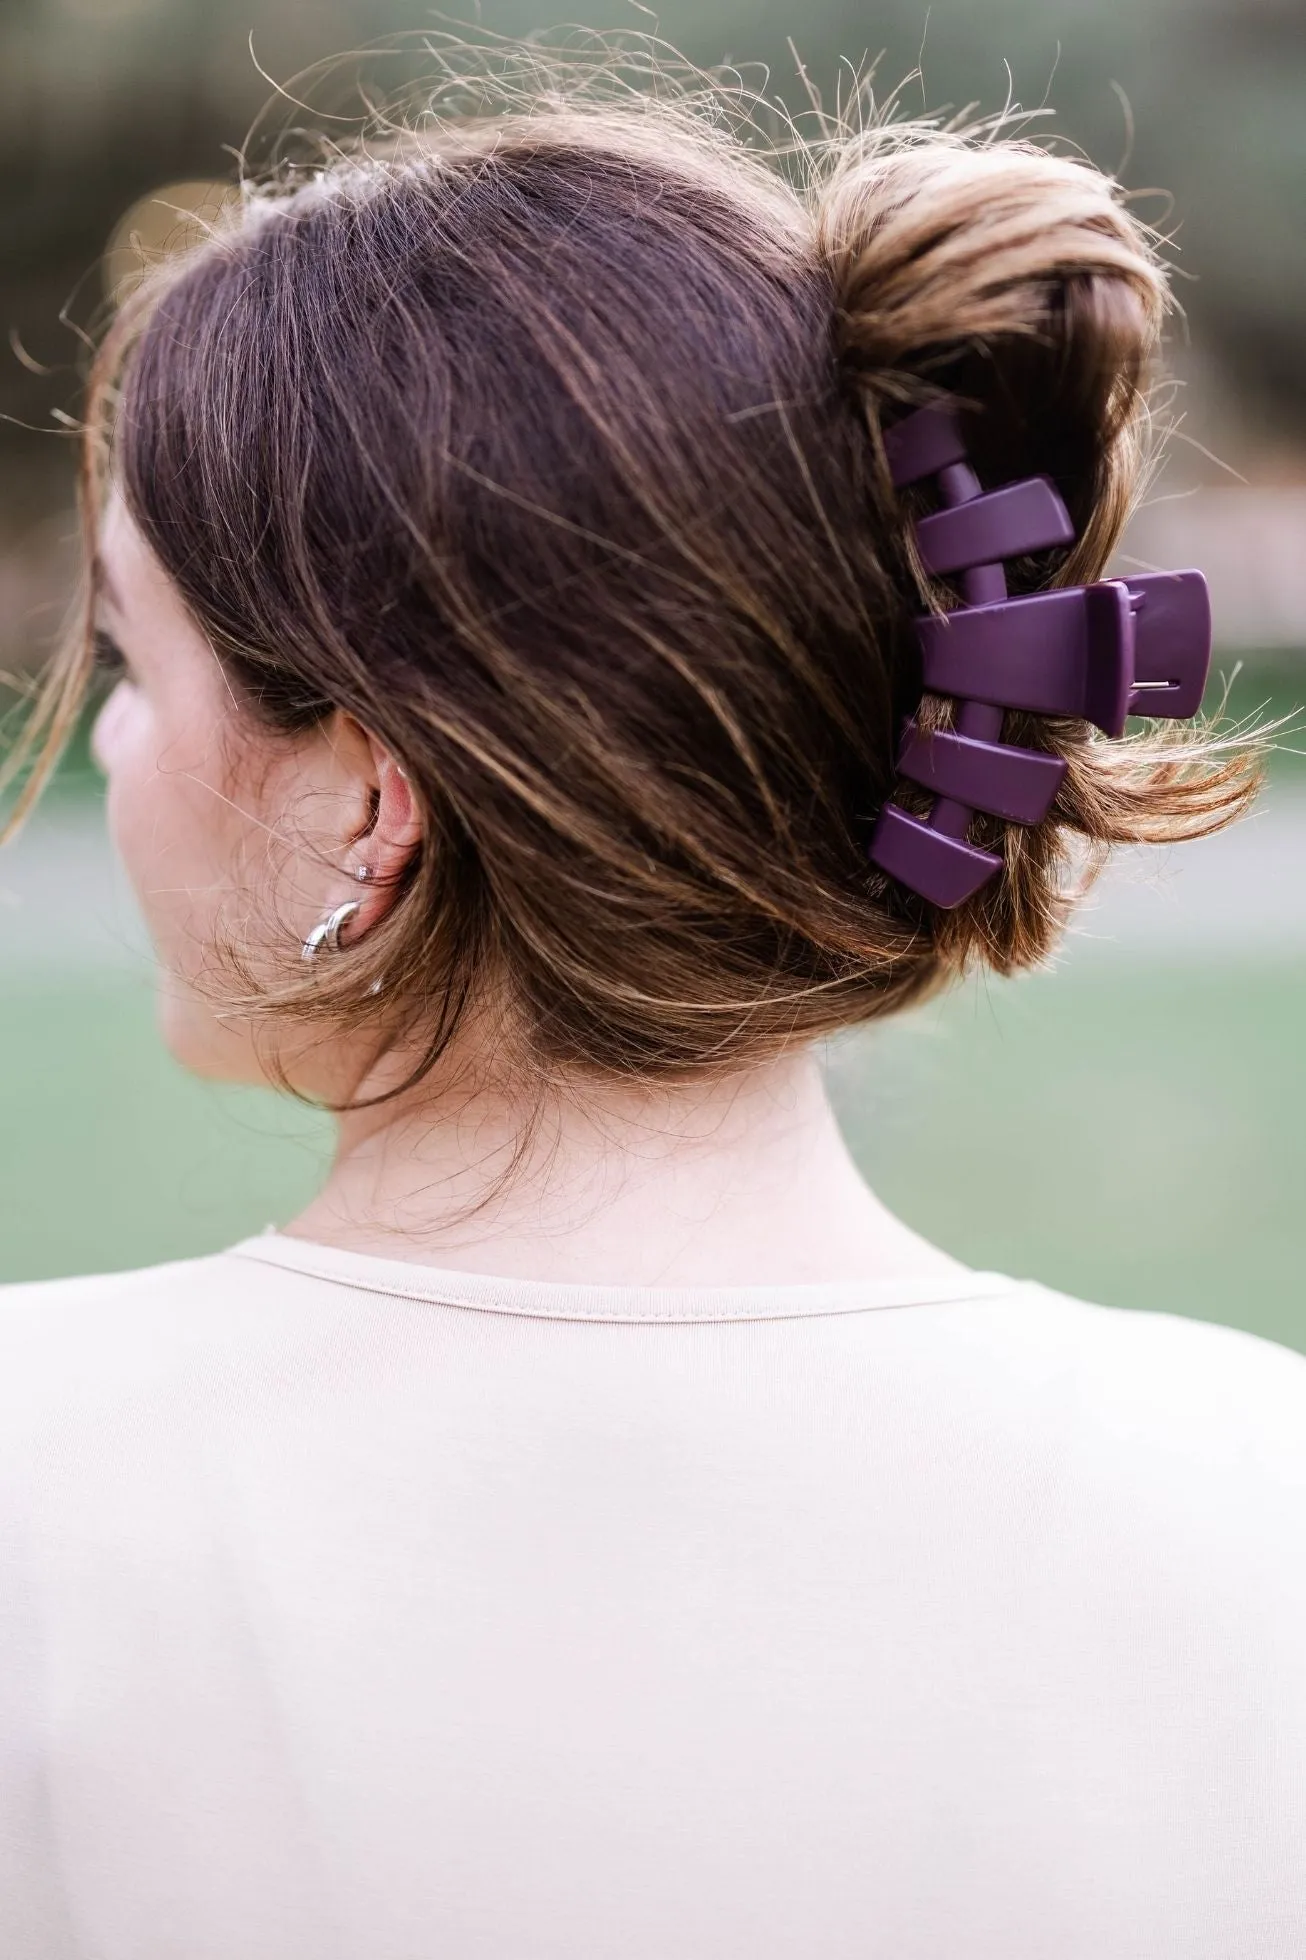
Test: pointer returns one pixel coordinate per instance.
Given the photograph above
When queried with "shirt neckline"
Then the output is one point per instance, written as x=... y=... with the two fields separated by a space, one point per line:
x=563 y=1300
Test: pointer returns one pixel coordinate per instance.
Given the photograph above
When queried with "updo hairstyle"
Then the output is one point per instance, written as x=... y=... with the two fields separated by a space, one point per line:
x=549 y=445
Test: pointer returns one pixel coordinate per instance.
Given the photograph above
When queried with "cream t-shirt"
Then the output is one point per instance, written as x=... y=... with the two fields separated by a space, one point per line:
x=354 y=1610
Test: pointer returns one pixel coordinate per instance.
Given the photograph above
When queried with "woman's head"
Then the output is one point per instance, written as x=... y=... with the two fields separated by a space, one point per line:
x=506 y=511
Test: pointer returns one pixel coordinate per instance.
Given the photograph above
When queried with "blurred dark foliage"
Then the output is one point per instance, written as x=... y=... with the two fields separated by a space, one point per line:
x=102 y=100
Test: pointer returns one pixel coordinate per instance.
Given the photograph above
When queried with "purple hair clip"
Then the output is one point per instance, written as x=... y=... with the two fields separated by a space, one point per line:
x=1098 y=652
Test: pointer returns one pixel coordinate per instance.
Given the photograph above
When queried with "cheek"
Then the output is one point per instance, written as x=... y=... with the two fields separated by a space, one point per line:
x=180 y=839
x=168 y=821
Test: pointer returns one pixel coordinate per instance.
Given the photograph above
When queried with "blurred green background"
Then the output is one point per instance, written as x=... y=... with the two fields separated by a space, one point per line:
x=1131 y=1127
x=1133 y=1137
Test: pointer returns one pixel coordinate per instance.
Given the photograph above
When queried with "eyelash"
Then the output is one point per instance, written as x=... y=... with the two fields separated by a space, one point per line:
x=110 y=660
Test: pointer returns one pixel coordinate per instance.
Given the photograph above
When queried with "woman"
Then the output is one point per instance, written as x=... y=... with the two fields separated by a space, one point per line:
x=595 y=1526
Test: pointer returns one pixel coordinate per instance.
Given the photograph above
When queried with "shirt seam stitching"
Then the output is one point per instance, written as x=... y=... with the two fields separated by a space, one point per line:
x=778 y=1311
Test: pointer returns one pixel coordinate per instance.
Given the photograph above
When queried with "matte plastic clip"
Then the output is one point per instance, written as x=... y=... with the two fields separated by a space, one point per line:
x=1172 y=643
x=1100 y=653
x=1069 y=652
x=1018 y=784
x=1096 y=653
x=1006 y=523
x=923 y=444
x=943 y=869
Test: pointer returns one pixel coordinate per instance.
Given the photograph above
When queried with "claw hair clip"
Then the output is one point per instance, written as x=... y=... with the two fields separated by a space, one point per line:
x=1095 y=652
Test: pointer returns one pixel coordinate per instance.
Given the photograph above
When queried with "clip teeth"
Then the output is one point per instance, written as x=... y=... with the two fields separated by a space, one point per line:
x=1097 y=653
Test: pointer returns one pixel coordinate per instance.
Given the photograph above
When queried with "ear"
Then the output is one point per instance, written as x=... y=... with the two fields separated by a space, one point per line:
x=390 y=838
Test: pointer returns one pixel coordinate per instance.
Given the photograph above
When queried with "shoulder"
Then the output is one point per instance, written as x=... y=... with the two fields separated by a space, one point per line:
x=33 y=1311
x=72 y=1346
x=1167 y=1427
x=1148 y=1467
x=1195 y=1376
x=1200 y=1384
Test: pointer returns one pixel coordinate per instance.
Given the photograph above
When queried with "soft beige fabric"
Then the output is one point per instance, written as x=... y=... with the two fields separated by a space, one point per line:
x=355 y=1611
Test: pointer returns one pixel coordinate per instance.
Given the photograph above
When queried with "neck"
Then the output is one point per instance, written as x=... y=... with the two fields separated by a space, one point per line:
x=741 y=1181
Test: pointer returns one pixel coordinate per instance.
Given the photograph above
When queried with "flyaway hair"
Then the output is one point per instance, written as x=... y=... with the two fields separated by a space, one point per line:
x=546 y=438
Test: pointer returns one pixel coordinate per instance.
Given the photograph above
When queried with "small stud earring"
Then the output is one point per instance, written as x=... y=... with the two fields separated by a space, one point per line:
x=362 y=872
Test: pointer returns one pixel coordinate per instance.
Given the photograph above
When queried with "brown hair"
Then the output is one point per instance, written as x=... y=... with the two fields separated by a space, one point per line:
x=548 y=445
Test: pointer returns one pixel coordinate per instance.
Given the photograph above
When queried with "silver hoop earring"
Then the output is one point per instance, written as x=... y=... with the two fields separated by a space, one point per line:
x=327 y=931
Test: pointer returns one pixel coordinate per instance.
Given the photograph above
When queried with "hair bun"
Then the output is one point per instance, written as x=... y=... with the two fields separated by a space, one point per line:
x=1014 y=279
